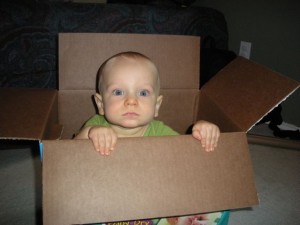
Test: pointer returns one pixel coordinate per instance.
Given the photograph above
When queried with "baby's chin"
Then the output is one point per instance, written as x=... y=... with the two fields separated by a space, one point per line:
x=129 y=131
x=127 y=127
x=131 y=124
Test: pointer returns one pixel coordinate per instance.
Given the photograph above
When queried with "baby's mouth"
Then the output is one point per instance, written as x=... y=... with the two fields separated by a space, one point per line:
x=130 y=114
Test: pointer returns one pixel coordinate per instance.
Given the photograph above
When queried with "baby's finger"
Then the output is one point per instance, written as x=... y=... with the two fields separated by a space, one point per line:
x=203 y=138
x=96 y=143
x=196 y=134
x=109 y=144
x=208 y=141
x=113 y=142
x=102 y=145
x=214 y=138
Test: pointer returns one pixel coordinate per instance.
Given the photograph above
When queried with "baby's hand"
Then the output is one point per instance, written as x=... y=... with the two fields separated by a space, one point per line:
x=104 y=139
x=208 y=133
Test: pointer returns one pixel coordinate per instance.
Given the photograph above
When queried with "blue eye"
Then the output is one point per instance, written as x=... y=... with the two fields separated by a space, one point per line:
x=118 y=92
x=144 y=93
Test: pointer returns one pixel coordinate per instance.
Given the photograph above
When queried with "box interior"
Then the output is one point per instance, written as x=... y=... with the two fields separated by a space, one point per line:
x=235 y=99
x=77 y=79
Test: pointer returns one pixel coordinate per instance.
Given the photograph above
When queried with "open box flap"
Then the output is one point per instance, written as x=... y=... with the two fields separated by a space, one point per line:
x=29 y=114
x=246 y=91
x=81 y=54
x=146 y=177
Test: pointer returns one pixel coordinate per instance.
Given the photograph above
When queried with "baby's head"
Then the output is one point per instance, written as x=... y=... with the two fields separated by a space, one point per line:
x=128 y=86
x=126 y=58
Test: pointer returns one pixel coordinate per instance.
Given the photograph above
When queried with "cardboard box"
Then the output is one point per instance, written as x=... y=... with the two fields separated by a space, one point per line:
x=145 y=177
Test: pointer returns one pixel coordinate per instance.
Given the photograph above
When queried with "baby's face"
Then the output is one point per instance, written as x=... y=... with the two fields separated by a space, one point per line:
x=129 y=93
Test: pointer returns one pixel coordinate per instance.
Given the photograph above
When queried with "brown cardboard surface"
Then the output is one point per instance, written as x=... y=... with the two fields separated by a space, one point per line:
x=239 y=95
x=178 y=67
x=210 y=111
x=28 y=114
x=246 y=91
x=144 y=178
x=75 y=107
x=82 y=187
x=81 y=54
x=179 y=108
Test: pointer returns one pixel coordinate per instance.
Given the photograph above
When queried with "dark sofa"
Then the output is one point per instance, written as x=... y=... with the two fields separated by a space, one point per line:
x=29 y=32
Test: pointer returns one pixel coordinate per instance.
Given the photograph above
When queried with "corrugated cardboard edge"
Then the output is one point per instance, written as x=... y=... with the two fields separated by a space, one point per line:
x=274 y=107
x=145 y=178
x=246 y=91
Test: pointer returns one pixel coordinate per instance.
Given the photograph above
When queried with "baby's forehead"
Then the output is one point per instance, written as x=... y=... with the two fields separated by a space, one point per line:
x=127 y=62
x=119 y=65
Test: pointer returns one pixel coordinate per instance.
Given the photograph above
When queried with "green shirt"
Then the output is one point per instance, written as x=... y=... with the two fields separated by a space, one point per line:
x=155 y=128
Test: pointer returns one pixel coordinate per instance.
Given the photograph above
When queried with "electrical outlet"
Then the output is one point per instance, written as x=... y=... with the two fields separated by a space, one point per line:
x=245 y=49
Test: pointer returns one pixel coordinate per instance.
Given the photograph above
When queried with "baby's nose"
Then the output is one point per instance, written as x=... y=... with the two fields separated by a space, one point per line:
x=131 y=100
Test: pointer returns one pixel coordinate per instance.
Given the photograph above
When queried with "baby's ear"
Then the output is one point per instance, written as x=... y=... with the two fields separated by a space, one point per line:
x=157 y=105
x=99 y=103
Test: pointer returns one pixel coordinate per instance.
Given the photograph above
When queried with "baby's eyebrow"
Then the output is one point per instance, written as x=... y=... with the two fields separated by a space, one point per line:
x=110 y=86
x=149 y=87
x=149 y=84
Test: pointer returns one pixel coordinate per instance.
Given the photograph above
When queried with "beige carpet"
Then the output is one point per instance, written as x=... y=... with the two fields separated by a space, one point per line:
x=277 y=174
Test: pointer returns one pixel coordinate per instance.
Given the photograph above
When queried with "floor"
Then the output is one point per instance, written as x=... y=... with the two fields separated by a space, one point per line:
x=20 y=187
x=277 y=174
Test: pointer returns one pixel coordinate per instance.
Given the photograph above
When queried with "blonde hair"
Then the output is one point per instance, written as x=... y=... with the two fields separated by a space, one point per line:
x=129 y=56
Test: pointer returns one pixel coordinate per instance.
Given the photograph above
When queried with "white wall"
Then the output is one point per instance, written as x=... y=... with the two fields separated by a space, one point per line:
x=273 y=28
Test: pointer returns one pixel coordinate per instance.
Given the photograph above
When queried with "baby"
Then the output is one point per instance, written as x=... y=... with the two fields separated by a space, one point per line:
x=128 y=100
